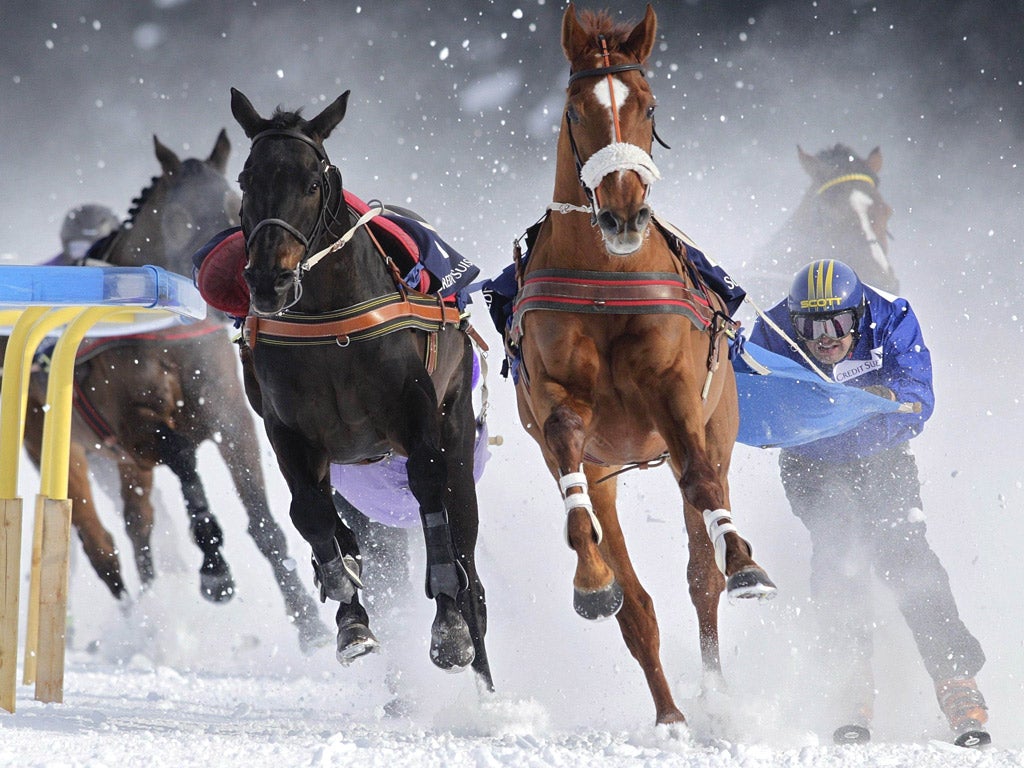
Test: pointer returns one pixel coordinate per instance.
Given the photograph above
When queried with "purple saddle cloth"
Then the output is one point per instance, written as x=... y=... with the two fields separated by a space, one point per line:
x=381 y=490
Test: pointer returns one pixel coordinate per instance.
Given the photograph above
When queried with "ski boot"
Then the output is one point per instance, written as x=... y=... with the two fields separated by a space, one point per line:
x=964 y=707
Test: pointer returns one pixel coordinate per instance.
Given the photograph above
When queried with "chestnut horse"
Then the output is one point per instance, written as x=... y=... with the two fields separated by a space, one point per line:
x=152 y=398
x=602 y=388
x=842 y=216
x=346 y=365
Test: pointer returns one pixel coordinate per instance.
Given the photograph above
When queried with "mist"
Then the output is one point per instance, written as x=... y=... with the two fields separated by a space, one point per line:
x=454 y=112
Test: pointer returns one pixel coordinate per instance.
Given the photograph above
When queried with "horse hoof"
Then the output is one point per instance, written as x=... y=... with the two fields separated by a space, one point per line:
x=217 y=586
x=354 y=640
x=599 y=604
x=749 y=583
x=451 y=644
x=313 y=634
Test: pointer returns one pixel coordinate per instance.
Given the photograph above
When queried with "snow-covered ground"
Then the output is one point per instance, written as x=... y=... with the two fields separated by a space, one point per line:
x=181 y=682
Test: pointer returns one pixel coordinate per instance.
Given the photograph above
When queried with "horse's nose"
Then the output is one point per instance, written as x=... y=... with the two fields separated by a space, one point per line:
x=611 y=223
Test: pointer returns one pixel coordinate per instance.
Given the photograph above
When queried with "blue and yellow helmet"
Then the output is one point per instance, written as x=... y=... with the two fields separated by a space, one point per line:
x=825 y=287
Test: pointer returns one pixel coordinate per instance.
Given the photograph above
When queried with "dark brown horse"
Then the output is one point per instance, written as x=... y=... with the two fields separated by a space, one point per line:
x=346 y=365
x=842 y=216
x=618 y=349
x=154 y=397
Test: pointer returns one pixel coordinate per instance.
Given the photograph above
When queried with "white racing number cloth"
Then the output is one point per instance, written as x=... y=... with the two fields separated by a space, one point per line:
x=618 y=156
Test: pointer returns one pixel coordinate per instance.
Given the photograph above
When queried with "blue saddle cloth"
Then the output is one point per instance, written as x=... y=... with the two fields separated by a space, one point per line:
x=792 y=405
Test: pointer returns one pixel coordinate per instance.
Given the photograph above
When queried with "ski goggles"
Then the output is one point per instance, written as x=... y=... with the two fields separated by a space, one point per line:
x=837 y=326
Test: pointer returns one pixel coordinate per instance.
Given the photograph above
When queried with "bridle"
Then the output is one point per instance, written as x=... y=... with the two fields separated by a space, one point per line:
x=602 y=162
x=325 y=219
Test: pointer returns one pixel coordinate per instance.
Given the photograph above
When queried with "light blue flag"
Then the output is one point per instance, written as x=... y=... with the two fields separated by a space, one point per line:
x=792 y=405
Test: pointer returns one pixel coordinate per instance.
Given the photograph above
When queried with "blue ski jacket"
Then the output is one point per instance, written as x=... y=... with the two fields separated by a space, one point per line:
x=888 y=350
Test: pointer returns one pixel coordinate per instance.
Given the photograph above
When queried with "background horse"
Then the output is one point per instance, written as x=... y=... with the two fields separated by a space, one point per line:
x=334 y=384
x=154 y=397
x=841 y=216
x=625 y=384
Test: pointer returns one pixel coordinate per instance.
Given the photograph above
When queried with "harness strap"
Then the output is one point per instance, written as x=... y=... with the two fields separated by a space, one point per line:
x=637 y=293
x=366 y=320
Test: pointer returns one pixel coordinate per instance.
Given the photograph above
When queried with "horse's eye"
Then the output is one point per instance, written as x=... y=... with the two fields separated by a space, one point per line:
x=650 y=111
x=314 y=188
x=571 y=114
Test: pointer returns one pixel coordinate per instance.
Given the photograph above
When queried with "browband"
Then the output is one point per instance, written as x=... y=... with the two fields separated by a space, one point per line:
x=611 y=70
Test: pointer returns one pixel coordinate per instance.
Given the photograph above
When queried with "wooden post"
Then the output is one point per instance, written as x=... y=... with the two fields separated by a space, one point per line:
x=53 y=600
x=28 y=668
x=10 y=550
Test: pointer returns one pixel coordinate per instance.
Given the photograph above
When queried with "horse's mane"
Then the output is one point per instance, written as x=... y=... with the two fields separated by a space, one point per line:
x=139 y=202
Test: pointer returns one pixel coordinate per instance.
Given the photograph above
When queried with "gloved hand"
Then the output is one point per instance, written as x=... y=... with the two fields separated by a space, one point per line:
x=878 y=389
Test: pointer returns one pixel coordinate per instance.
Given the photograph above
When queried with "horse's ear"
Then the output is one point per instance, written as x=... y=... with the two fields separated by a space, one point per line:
x=574 y=37
x=808 y=161
x=322 y=125
x=168 y=160
x=641 y=40
x=221 y=149
x=874 y=160
x=245 y=113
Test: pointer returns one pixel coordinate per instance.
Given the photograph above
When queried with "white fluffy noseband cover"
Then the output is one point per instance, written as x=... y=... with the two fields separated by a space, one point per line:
x=618 y=156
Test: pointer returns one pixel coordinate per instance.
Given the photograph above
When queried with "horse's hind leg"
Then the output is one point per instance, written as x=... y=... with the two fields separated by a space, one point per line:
x=179 y=454
x=241 y=455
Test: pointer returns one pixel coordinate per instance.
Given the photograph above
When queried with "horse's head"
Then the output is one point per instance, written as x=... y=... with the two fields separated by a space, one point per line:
x=608 y=125
x=850 y=213
x=291 y=197
x=185 y=206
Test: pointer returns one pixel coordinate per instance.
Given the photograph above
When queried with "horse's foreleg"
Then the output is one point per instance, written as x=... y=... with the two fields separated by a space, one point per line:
x=637 y=620
x=335 y=552
x=96 y=540
x=596 y=593
x=179 y=454
x=733 y=554
x=458 y=427
x=451 y=641
x=136 y=487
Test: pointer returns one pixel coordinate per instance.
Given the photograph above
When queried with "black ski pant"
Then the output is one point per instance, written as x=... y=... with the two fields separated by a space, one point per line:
x=865 y=517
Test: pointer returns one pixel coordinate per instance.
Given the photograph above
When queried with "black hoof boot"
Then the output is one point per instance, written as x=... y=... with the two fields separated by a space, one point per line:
x=750 y=583
x=354 y=640
x=338 y=578
x=215 y=581
x=851 y=734
x=600 y=604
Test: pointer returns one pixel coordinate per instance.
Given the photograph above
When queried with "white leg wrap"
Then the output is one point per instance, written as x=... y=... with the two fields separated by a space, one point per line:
x=717 y=536
x=577 y=500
